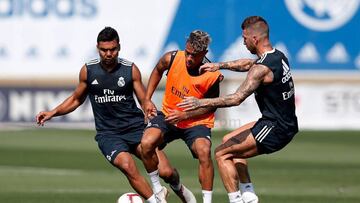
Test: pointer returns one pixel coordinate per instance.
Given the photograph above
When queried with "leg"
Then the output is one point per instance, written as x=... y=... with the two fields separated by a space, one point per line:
x=166 y=171
x=202 y=149
x=171 y=176
x=242 y=145
x=126 y=164
x=160 y=191
x=151 y=139
x=117 y=151
x=241 y=164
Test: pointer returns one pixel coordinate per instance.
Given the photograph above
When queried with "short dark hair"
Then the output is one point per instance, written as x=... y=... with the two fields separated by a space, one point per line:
x=257 y=23
x=199 y=40
x=108 y=34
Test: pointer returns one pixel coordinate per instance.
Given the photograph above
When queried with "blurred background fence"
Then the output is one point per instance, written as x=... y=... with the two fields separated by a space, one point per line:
x=44 y=43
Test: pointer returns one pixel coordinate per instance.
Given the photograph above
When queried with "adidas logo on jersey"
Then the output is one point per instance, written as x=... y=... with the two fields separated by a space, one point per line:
x=285 y=67
x=286 y=73
x=94 y=82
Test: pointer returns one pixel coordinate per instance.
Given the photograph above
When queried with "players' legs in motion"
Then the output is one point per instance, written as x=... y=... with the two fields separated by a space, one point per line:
x=125 y=162
x=202 y=149
x=151 y=139
x=171 y=176
x=157 y=164
x=240 y=144
x=245 y=185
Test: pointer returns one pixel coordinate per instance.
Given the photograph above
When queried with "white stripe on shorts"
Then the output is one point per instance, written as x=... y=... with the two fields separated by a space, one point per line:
x=261 y=131
x=261 y=138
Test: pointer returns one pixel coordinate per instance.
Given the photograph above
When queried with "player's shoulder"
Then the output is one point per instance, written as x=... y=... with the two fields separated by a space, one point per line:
x=125 y=62
x=270 y=57
x=170 y=55
x=92 y=62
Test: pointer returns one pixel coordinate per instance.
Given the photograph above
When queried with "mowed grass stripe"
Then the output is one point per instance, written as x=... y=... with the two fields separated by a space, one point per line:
x=58 y=166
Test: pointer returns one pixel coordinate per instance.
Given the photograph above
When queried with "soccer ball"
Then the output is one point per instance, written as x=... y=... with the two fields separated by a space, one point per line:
x=130 y=198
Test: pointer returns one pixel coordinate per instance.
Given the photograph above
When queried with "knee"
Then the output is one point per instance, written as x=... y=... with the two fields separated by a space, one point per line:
x=125 y=167
x=202 y=149
x=147 y=145
x=204 y=152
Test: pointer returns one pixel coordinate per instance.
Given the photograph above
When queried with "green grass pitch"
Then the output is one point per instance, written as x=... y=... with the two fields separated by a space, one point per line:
x=50 y=165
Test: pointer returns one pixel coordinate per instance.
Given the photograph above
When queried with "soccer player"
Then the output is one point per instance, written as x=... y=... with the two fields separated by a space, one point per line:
x=183 y=79
x=269 y=78
x=110 y=83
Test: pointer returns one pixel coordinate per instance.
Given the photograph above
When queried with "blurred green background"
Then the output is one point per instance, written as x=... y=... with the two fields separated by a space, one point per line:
x=50 y=165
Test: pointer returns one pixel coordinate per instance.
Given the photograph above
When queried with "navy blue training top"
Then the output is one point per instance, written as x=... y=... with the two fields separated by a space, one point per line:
x=276 y=100
x=111 y=97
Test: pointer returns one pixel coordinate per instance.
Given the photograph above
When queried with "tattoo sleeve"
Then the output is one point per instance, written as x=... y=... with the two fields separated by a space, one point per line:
x=254 y=78
x=200 y=111
x=240 y=65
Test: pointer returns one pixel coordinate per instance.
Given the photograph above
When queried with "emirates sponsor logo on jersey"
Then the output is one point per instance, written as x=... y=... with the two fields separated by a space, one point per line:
x=109 y=96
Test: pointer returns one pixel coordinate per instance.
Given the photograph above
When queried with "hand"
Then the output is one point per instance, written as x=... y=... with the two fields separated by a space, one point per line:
x=176 y=116
x=190 y=103
x=212 y=67
x=43 y=116
x=149 y=110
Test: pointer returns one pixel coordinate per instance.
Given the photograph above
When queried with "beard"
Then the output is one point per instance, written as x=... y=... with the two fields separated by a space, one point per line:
x=109 y=61
x=251 y=49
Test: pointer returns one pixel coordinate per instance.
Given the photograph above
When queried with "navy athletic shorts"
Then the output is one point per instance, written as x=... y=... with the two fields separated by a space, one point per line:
x=112 y=143
x=270 y=136
x=171 y=132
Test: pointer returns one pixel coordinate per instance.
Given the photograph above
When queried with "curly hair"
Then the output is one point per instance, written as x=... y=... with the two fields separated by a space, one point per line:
x=199 y=40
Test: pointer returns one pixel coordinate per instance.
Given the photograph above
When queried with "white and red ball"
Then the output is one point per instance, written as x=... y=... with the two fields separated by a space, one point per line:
x=130 y=198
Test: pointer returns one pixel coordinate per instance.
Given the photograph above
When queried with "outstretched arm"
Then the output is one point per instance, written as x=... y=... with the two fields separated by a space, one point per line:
x=175 y=116
x=256 y=75
x=69 y=104
x=240 y=65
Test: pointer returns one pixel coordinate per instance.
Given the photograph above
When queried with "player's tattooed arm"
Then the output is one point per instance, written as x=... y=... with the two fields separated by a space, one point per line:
x=255 y=77
x=240 y=65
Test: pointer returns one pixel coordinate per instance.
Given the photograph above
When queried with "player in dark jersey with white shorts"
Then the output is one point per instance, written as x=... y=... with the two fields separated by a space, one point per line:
x=269 y=78
x=110 y=83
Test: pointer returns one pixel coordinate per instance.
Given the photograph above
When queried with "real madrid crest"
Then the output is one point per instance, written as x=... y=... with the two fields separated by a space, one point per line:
x=121 y=82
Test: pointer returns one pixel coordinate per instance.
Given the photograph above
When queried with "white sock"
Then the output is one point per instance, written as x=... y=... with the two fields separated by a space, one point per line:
x=246 y=187
x=151 y=199
x=155 y=181
x=207 y=196
x=235 y=197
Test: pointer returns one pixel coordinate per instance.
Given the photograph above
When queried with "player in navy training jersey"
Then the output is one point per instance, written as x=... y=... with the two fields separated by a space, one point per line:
x=110 y=83
x=269 y=78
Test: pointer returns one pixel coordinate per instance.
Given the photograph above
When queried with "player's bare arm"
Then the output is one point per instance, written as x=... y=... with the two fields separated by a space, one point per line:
x=154 y=80
x=213 y=92
x=241 y=65
x=69 y=104
x=257 y=74
x=177 y=116
x=139 y=87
